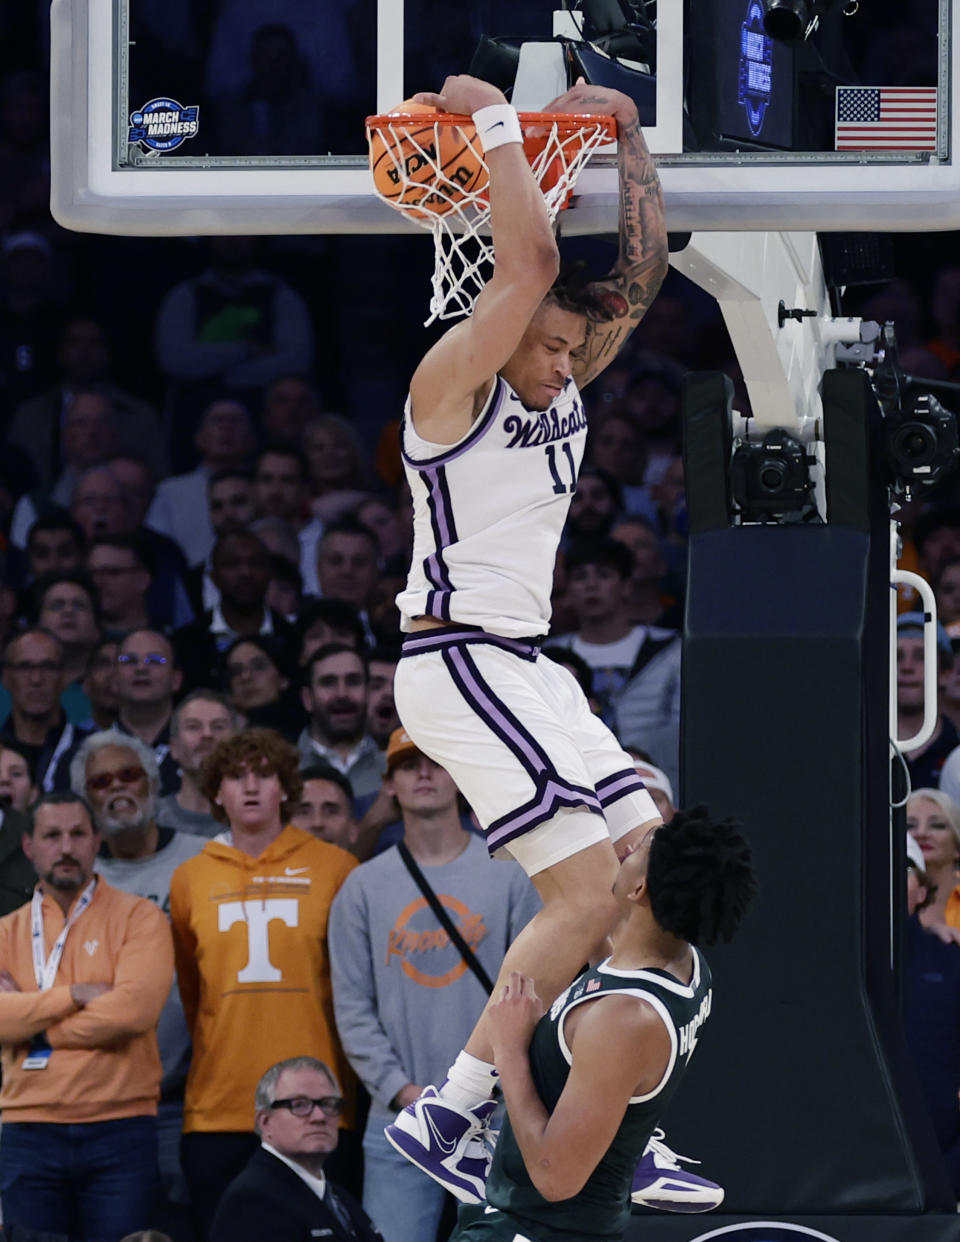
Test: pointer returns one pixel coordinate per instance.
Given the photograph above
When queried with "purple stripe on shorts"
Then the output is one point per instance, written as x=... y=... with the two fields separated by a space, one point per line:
x=618 y=786
x=542 y=807
x=439 y=640
x=484 y=702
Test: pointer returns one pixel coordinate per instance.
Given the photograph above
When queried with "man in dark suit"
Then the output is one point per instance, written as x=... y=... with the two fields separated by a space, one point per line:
x=241 y=573
x=283 y=1193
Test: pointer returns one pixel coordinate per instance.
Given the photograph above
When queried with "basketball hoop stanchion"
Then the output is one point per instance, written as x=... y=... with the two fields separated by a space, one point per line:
x=431 y=168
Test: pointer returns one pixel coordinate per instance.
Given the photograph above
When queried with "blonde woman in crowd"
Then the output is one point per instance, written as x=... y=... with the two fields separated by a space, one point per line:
x=933 y=820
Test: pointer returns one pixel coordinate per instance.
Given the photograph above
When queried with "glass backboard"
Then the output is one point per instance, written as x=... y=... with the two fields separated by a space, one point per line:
x=248 y=116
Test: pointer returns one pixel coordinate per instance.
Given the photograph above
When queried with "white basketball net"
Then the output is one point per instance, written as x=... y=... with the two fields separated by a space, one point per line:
x=462 y=246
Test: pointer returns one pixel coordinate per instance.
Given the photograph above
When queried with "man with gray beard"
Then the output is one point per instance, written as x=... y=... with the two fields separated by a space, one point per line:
x=118 y=775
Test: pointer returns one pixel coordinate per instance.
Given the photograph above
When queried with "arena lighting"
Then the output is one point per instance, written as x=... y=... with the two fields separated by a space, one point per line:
x=792 y=21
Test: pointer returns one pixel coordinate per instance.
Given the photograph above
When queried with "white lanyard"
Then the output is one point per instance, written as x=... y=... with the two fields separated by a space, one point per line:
x=45 y=968
x=63 y=743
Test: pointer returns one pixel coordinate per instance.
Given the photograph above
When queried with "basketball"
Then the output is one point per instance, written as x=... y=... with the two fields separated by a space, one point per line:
x=425 y=170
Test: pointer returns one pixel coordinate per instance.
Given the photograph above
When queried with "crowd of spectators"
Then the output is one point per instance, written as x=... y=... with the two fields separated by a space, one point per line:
x=203 y=525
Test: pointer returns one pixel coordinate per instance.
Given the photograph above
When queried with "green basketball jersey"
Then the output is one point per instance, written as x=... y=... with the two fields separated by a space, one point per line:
x=602 y=1207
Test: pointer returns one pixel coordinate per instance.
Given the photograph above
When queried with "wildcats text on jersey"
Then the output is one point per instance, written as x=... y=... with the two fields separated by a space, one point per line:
x=544 y=427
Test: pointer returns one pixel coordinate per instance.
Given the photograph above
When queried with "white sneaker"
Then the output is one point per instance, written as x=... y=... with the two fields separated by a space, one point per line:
x=445 y=1142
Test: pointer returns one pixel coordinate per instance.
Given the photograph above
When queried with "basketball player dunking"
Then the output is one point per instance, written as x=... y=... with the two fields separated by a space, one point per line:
x=493 y=435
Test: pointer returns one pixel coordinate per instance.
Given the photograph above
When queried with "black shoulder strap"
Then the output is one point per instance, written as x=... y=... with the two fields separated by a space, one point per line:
x=649 y=648
x=466 y=952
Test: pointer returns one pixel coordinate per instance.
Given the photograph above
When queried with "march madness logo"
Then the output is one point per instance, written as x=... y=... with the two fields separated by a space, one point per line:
x=764 y=1231
x=755 y=88
x=162 y=125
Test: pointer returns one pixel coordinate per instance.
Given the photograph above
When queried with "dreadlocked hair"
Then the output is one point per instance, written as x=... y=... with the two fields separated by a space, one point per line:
x=572 y=291
x=700 y=876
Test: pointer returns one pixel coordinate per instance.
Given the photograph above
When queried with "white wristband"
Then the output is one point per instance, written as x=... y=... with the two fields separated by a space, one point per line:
x=497 y=124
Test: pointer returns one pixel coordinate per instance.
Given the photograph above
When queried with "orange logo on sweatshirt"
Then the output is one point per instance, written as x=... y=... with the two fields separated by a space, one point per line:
x=404 y=941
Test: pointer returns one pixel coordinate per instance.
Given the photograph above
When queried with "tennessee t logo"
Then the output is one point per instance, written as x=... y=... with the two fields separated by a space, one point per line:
x=257 y=916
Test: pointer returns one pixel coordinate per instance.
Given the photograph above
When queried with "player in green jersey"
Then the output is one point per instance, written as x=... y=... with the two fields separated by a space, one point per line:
x=586 y=1083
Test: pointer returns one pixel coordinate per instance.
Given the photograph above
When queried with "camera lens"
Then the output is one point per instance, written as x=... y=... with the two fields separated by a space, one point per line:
x=786 y=20
x=915 y=443
x=772 y=475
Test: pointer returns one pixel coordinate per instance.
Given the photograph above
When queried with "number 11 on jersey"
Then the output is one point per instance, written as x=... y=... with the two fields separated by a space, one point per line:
x=559 y=486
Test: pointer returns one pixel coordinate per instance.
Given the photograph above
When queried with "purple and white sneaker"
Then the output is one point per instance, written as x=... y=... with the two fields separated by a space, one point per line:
x=445 y=1142
x=659 y=1181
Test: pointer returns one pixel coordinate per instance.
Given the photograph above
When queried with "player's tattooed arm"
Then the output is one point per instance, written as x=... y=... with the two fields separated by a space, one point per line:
x=624 y=296
x=621 y=299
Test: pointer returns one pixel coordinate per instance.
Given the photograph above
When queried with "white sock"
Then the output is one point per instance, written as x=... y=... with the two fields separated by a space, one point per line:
x=469 y=1081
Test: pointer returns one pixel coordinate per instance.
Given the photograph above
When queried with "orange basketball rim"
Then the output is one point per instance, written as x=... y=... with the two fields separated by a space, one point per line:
x=431 y=167
x=423 y=147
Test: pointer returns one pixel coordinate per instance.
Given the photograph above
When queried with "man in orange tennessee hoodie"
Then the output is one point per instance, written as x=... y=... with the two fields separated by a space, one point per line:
x=85 y=973
x=249 y=916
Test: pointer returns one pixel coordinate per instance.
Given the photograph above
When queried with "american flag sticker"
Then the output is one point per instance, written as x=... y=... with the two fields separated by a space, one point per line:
x=886 y=118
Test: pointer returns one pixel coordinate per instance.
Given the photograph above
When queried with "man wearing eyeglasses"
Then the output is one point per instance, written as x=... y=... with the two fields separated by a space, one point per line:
x=147 y=680
x=283 y=1192
x=66 y=605
x=33 y=675
x=117 y=566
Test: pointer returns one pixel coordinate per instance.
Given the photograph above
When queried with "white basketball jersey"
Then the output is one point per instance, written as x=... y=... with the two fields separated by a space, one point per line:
x=488 y=513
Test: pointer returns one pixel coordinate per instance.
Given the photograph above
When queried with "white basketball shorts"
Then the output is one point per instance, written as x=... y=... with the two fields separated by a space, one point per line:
x=545 y=776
